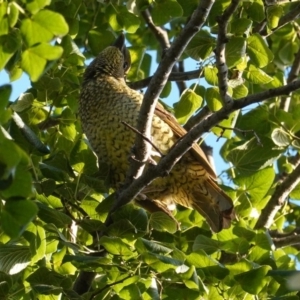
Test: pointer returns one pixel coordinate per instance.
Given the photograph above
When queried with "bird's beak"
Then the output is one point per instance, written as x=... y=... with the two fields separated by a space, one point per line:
x=120 y=42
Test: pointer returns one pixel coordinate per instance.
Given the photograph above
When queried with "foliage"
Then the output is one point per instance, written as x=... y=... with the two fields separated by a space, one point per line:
x=54 y=198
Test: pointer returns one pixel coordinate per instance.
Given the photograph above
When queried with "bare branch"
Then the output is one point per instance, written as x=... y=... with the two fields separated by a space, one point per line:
x=279 y=197
x=160 y=34
x=220 y=51
x=286 y=241
x=162 y=37
x=174 y=76
x=241 y=131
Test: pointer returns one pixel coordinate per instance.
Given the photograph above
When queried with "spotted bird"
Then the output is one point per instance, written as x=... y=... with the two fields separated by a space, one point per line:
x=106 y=101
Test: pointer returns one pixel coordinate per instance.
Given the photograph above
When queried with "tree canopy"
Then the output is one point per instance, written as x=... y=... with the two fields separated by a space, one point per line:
x=54 y=242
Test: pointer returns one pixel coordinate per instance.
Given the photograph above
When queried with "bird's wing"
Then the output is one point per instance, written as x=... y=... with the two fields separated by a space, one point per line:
x=180 y=132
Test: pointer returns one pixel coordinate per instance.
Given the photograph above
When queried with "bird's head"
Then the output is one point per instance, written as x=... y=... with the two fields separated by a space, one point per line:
x=113 y=60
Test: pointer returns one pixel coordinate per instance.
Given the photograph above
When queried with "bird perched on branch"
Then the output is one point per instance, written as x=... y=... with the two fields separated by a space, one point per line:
x=106 y=101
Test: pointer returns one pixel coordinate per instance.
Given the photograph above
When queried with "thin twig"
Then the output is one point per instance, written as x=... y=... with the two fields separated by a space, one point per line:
x=174 y=76
x=241 y=131
x=144 y=137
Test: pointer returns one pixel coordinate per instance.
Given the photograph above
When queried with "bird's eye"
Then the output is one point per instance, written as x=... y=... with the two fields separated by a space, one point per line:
x=125 y=65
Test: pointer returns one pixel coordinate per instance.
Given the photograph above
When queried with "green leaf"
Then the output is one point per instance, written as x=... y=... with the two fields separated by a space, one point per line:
x=287 y=52
x=22 y=182
x=256 y=11
x=258 y=184
x=274 y=13
x=254 y=280
x=213 y=99
x=4 y=25
x=43 y=27
x=52 y=172
x=46 y=281
x=240 y=26
x=201 y=46
x=143 y=245
x=208 y=265
x=115 y=246
x=162 y=222
x=280 y=137
x=239 y=91
x=16 y=216
x=52 y=21
x=160 y=263
x=211 y=75
x=257 y=76
x=14 y=258
x=36 y=236
x=137 y=55
x=82 y=158
x=127 y=20
x=6 y=284
x=49 y=215
x=248 y=157
x=5 y=92
x=24 y=101
x=34 y=59
x=165 y=10
x=259 y=53
x=235 y=51
x=206 y=244
x=9 y=44
x=130 y=292
x=136 y=216
x=36 y=5
x=228 y=122
x=188 y=103
x=105 y=36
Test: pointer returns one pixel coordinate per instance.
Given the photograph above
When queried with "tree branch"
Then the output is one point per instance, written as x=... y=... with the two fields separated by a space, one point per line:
x=162 y=37
x=174 y=76
x=279 y=197
x=220 y=51
x=197 y=118
x=286 y=239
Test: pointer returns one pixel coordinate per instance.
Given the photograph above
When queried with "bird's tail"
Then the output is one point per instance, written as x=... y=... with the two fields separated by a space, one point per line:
x=212 y=203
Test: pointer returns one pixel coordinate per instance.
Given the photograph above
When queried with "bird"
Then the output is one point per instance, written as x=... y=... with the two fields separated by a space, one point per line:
x=107 y=103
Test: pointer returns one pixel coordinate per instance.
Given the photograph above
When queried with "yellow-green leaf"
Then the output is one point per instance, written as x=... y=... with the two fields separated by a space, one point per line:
x=189 y=102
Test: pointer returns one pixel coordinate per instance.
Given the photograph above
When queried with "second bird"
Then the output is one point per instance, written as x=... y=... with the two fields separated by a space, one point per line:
x=105 y=102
